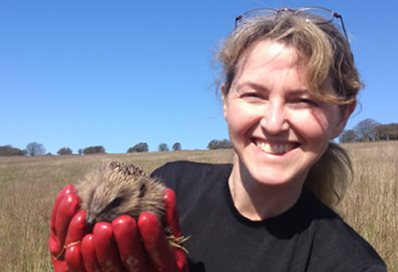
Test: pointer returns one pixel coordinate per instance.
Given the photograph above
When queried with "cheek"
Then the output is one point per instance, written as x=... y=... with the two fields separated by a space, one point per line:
x=240 y=118
x=314 y=126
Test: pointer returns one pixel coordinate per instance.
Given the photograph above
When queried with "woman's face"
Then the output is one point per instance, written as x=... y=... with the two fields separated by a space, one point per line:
x=277 y=129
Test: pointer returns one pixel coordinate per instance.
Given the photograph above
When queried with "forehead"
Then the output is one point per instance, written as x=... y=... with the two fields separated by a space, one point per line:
x=268 y=52
x=271 y=60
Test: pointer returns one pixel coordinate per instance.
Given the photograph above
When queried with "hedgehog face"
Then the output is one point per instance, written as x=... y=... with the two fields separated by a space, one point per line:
x=100 y=210
x=117 y=189
x=110 y=200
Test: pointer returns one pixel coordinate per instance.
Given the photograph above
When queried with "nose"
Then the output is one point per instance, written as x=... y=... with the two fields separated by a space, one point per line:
x=90 y=220
x=274 y=118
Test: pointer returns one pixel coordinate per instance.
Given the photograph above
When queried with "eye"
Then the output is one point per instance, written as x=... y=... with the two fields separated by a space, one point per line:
x=112 y=205
x=304 y=102
x=308 y=101
x=116 y=202
x=252 y=97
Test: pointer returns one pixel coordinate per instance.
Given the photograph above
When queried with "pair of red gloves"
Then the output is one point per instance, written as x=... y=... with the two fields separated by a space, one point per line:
x=125 y=244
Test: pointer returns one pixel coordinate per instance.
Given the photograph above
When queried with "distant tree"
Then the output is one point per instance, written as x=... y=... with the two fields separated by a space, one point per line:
x=366 y=130
x=219 y=144
x=176 y=146
x=140 y=147
x=8 y=150
x=348 y=136
x=387 y=132
x=80 y=151
x=163 y=147
x=65 y=151
x=94 y=150
x=35 y=149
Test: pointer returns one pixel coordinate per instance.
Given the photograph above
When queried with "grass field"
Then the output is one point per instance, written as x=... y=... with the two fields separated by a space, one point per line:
x=28 y=187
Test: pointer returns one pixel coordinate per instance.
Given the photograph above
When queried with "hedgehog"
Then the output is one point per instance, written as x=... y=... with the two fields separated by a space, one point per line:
x=118 y=188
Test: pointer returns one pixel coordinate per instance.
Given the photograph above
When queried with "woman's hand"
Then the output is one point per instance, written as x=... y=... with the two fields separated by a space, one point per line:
x=130 y=245
x=67 y=226
x=123 y=245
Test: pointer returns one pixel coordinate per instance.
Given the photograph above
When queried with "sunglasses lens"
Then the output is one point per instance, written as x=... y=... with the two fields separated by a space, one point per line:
x=256 y=14
x=316 y=15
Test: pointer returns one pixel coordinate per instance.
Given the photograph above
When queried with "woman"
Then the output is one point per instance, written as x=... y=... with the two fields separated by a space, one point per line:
x=290 y=84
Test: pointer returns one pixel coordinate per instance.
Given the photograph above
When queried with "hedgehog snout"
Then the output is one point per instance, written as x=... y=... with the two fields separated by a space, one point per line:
x=90 y=221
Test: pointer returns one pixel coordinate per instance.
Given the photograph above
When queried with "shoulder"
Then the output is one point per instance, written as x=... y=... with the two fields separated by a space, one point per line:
x=190 y=172
x=337 y=242
x=194 y=184
x=182 y=165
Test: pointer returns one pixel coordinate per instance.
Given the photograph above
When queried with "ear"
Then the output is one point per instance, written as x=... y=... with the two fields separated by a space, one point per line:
x=346 y=111
x=224 y=99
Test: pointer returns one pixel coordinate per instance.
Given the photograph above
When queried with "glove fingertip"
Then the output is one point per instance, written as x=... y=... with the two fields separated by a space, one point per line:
x=102 y=229
x=169 y=197
x=106 y=248
x=148 y=222
x=69 y=189
x=58 y=199
x=77 y=227
x=88 y=253
x=68 y=207
x=123 y=221
x=171 y=212
x=54 y=245
x=155 y=243
x=181 y=260
x=73 y=258
x=150 y=229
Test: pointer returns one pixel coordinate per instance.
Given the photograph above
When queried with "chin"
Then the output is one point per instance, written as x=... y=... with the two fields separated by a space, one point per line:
x=284 y=169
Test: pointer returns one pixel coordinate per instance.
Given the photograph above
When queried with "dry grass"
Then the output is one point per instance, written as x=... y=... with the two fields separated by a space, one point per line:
x=371 y=202
x=28 y=187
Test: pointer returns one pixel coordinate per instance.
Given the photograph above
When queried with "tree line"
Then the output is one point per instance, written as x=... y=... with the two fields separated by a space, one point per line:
x=37 y=149
x=369 y=130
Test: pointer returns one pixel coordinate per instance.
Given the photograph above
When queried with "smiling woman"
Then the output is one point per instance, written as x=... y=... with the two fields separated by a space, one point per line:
x=277 y=128
x=290 y=85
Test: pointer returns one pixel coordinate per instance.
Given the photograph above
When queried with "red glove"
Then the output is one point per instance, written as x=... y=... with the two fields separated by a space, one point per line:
x=67 y=227
x=123 y=245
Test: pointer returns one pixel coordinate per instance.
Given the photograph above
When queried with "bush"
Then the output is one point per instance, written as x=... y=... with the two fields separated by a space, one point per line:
x=163 y=147
x=65 y=151
x=8 y=150
x=219 y=144
x=94 y=150
x=140 y=147
x=176 y=146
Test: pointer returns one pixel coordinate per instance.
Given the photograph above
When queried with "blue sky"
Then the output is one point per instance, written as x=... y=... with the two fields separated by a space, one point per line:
x=79 y=73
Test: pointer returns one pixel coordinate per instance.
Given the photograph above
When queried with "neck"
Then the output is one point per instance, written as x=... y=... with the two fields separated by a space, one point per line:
x=258 y=201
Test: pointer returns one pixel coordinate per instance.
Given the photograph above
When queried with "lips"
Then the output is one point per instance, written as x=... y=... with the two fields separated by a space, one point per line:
x=275 y=148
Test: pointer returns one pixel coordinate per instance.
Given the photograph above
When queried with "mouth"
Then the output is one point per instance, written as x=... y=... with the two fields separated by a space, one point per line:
x=275 y=148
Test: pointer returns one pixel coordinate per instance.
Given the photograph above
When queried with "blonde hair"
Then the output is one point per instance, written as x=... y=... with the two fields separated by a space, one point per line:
x=327 y=54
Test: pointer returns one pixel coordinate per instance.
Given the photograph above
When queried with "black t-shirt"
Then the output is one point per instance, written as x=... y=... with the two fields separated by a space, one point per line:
x=307 y=237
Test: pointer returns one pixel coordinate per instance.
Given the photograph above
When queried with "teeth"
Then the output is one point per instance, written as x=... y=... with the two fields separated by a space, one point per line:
x=275 y=148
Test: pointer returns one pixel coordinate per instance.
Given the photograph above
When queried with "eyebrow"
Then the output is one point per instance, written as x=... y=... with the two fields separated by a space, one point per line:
x=252 y=85
x=298 y=91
